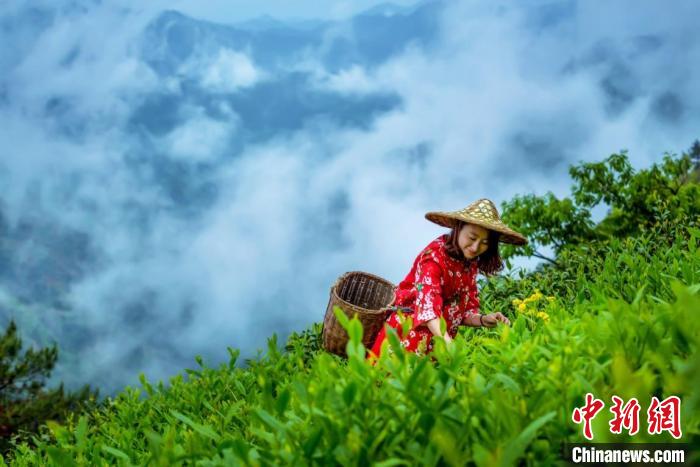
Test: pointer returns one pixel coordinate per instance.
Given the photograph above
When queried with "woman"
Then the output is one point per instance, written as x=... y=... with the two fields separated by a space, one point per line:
x=442 y=281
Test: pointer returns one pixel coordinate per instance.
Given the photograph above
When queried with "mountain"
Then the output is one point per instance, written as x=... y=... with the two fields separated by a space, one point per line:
x=248 y=83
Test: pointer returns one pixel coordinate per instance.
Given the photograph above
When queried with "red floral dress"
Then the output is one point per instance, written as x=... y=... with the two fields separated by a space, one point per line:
x=436 y=286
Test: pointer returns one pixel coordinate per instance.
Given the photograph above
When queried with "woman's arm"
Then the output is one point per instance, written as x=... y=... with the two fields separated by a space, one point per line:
x=434 y=327
x=487 y=321
x=429 y=293
x=474 y=320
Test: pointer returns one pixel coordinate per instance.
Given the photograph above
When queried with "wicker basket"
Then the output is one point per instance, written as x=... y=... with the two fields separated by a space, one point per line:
x=357 y=293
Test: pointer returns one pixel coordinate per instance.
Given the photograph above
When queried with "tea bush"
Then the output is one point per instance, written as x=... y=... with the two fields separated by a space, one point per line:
x=497 y=396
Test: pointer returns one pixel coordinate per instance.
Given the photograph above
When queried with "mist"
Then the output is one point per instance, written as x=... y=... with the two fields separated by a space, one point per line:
x=171 y=185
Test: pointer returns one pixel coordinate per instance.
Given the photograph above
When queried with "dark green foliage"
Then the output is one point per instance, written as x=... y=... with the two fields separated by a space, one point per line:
x=695 y=155
x=662 y=195
x=307 y=343
x=25 y=403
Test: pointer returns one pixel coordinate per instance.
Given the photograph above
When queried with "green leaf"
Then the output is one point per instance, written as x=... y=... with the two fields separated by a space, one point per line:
x=233 y=357
x=349 y=393
x=507 y=382
x=640 y=293
x=282 y=401
x=116 y=453
x=341 y=317
x=395 y=344
x=406 y=320
x=63 y=436
x=445 y=440
x=391 y=462
x=146 y=385
x=515 y=449
x=201 y=429
x=81 y=434
x=355 y=330
x=241 y=449
x=60 y=456
x=310 y=445
x=268 y=420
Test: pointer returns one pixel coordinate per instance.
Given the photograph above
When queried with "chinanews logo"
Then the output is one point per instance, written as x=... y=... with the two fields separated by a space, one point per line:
x=661 y=416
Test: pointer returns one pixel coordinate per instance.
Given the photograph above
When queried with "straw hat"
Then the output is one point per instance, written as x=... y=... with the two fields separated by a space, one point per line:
x=482 y=212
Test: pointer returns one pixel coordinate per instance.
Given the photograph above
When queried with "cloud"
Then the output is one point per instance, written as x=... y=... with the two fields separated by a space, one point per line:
x=184 y=186
x=200 y=138
x=353 y=80
x=300 y=10
x=70 y=60
x=231 y=71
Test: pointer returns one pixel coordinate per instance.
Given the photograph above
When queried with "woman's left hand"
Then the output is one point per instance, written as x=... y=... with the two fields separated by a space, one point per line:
x=491 y=320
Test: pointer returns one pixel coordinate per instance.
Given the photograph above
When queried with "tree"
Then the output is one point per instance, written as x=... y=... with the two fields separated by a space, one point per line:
x=664 y=195
x=25 y=403
x=695 y=159
x=694 y=154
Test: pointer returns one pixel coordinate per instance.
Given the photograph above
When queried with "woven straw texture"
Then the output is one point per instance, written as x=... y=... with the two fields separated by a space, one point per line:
x=482 y=212
x=357 y=293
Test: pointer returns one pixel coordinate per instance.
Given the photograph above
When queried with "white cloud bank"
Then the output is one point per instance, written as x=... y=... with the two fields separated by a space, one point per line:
x=230 y=72
x=499 y=105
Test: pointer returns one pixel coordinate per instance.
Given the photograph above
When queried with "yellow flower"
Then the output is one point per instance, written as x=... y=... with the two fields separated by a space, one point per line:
x=516 y=302
x=550 y=299
x=544 y=316
x=522 y=307
x=533 y=298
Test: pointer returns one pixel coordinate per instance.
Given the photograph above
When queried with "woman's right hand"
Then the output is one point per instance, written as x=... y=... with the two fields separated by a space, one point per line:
x=491 y=320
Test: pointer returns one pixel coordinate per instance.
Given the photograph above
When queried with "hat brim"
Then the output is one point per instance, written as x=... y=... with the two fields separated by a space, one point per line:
x=507 y=235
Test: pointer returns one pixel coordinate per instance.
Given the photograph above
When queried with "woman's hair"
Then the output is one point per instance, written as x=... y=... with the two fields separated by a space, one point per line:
x=489 y=262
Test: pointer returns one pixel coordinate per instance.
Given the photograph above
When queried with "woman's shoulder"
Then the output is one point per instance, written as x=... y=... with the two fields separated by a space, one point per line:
x=435 y=250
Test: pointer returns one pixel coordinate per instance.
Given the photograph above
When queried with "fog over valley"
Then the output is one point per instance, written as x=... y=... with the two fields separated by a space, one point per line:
x=174 y=181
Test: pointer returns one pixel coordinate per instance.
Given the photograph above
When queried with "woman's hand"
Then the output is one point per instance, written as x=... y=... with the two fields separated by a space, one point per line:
x=491 y=320
x=434 y=327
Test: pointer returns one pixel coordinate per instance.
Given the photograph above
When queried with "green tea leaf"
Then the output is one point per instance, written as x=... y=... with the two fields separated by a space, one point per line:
x=349 y=393
x=516 y=447
x=60 y=456
x=341 y=317
x=201 y=429
x=116 y=453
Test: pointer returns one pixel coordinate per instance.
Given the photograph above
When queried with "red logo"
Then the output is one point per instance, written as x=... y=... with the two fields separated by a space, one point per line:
x=665 y=416
x=626 y=417
x=586 y=413
x=661 y=416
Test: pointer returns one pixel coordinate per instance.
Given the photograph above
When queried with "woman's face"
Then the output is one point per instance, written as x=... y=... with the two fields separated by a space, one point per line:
x=473 y=240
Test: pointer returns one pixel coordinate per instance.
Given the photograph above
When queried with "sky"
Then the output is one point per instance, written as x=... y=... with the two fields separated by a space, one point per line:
x=227 y=11
x=179 y=178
